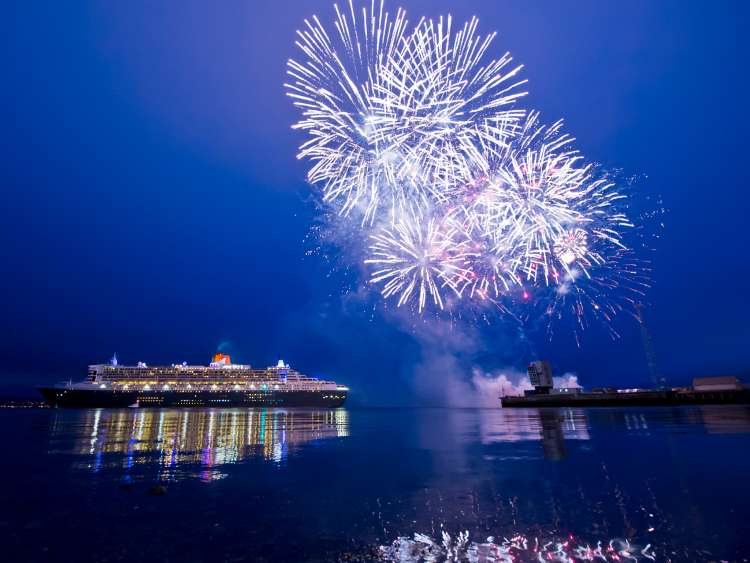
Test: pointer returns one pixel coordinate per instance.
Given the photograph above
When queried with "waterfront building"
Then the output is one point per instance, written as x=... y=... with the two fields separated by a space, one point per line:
x=722 y=383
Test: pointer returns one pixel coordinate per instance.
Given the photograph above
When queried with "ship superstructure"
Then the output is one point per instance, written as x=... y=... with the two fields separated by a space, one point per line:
x=221 y=383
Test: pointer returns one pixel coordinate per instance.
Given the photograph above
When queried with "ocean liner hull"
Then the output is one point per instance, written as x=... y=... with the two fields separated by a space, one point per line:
x=94 y=398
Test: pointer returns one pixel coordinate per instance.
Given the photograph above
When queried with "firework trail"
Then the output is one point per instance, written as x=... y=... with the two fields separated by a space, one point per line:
x=416 y=141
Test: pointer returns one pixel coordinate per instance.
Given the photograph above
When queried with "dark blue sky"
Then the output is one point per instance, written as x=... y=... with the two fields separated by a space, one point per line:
x=152 y=204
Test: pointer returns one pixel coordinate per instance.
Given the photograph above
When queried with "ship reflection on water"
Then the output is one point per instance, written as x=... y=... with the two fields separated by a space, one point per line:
x=554 y=427
x=550 y=426
x=183 y=443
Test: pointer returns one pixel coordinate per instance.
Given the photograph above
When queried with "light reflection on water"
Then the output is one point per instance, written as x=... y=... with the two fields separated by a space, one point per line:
x=550 y=426
x=211 y=438
x=305 y=484
x=208 y=438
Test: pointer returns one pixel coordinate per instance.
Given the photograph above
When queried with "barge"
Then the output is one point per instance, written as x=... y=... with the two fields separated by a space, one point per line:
x=704 y=391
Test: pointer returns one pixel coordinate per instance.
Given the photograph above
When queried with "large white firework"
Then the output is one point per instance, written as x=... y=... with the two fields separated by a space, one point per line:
x=333 y=86
x=442 y=95
x=415 y=140
x=393 y=117
x=419 y=258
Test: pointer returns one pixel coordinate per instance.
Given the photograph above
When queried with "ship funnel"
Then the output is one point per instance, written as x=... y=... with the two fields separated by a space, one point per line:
x=220 y=359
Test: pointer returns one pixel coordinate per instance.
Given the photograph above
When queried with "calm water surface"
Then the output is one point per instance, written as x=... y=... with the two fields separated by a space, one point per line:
x=327 y=485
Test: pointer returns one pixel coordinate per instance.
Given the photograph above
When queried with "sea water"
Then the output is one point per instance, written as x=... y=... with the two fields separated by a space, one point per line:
x=277 y=485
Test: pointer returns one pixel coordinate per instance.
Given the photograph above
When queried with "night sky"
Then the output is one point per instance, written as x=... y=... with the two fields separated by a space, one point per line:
x=152 y=204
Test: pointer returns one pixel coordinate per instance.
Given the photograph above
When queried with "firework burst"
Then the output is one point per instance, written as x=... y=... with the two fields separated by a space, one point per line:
x=420 y=258
x=444 y=95
x=448 y=188
x=391 y=117
x=333 y=86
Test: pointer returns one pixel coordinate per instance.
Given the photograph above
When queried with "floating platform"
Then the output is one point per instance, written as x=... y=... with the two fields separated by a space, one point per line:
x=645 y=398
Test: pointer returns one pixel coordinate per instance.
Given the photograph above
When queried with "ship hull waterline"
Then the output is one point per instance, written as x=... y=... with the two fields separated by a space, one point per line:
x=106 y=398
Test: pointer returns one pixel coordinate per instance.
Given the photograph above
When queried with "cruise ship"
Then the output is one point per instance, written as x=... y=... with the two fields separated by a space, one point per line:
x=220 y=384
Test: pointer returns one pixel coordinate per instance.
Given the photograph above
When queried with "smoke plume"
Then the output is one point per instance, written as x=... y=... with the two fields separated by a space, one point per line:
x=449 y=375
